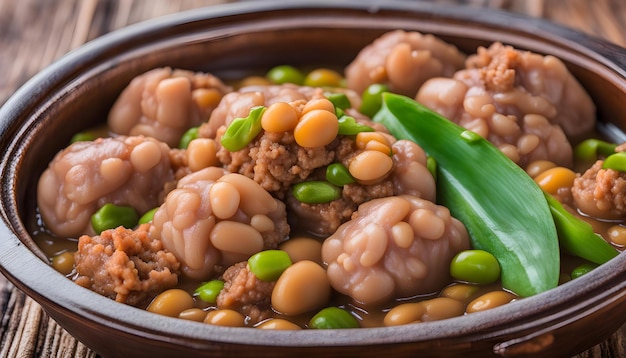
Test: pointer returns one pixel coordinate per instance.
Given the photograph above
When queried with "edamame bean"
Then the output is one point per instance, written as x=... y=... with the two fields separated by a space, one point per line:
x=315 y=192
x=337 y=174
x=111 y=216
x=268 y=265
x=209 y=291
x=285 y=74
x=333 y=318
x=372 y=99
x=171 y=302
x=475 y=266
x=188 y=136
x=582 y=270
x=147 y=217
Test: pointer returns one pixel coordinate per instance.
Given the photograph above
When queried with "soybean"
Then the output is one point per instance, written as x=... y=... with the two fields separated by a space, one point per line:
x=555 y=178
x=202 y=153
x=226 y=318
x=278 y=324
x=193 y=314
x=171 y=303
x=301 y=288
x=279 y=117
x=188 y=136
x=303 y=248
x=370 y=165
x=323 y=77
x=285 y=74
x=64 y=262
x=316 y=128
x=489 y=300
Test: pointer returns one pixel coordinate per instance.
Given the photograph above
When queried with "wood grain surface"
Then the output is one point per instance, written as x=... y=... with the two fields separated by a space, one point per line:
x=34 y=33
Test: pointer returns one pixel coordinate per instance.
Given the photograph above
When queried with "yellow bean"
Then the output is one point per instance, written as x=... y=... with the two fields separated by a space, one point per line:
x=254 y=81
x=226 y=318
x=617 y=235
x=145 y=156
x=404 y=314
x=301 y=288
x=460 y=291
x=193 y=314
x=254 y=199
x=303 y=248
x=202 y=153
x=373 y=141
x=236 y=237
x=279 y=117
x=319 y=103
x=278 y=324
x=224 y=198
x=489 y=300
x=441 y=308
x=262 y=223
x=555 y=178
x=323 y=77
x=539 y=166
x=206 y=97
x=64 y=262
x=316 y=128
x=427 y=224
x=370 y=165
x=402 y=234
x=171 y=302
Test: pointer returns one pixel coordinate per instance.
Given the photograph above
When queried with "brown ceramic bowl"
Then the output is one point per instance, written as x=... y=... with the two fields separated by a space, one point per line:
x=75 y=93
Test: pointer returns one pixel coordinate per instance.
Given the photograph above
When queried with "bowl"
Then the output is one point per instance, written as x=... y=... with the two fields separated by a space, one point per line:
x=75 y=93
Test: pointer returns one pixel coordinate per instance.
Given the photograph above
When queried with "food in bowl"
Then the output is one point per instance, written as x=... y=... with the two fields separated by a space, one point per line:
x=290 y=204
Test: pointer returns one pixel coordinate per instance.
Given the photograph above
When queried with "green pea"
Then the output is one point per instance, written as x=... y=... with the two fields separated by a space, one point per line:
x=333 y=318
x=316 y=192
x=372 y=99
x=582 y=270
x=242 y=131
x=268 y=265
x=337 y=174
x=111 y=216
x=339 y=100
x=285 y=74
x=349 y=126
x=209 y=291
x=188 y=136
x=475 y=266
x=147 y=217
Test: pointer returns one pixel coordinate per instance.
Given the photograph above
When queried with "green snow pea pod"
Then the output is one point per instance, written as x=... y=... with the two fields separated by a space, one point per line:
x=577 y=236
x=474 y=180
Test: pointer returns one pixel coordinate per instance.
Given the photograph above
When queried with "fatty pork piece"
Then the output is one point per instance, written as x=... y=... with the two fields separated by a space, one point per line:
x=245 y=293
x=403 y=61
x=214 y=219
x=407 y=176
x=129 y=171
x=125 y=265
x=528 y=105
x=163 y=103
x=394 y=247
x=601 y=193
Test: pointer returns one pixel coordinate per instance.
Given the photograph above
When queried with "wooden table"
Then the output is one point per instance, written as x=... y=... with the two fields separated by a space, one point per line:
x=33 y=33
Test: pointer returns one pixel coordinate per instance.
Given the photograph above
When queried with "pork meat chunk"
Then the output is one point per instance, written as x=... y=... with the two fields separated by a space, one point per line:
x=214 y=219
x=528 y=105
x=403 y=61
x=394 y=247
x=130 y=171
x=164 y=102
x=125 y=265
x=601 y=193
x=245 y=293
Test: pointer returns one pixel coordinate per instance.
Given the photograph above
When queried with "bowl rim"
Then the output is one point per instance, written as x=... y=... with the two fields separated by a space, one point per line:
x=27 y=271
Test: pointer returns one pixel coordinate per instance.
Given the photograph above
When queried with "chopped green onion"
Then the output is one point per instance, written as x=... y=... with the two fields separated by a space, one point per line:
x=349 y=126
